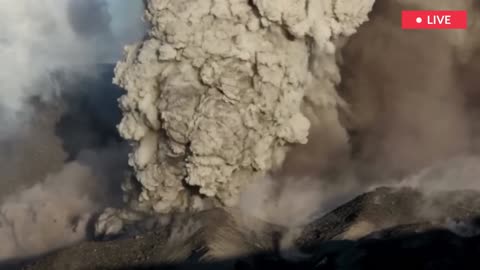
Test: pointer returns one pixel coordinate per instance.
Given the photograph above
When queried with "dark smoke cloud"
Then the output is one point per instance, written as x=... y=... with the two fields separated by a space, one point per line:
x=413 y=103
x=410 y=95
x=91 y=112
x=96 y=11
x=408 y=101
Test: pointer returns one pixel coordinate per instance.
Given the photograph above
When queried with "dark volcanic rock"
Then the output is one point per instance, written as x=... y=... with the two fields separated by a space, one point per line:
x=209 y=235
x=389 y=207
x=387 y=228
x=430 y=250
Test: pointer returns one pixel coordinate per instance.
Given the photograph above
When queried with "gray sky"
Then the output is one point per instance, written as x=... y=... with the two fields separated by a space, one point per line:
x=126 y=20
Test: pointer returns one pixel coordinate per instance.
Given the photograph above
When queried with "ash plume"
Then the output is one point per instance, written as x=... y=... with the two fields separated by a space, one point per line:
x=215 y=93
x=212 y=106
x=283 y=109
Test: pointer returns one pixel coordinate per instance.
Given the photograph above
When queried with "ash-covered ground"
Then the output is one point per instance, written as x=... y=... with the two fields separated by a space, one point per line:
x=247 y=134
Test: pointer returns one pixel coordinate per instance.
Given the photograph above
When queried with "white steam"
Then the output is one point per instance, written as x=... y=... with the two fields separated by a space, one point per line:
x=39 y=38
x=45 y=200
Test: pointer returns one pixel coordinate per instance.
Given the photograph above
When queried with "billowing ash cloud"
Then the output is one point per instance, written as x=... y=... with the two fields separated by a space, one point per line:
x=218 y=93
